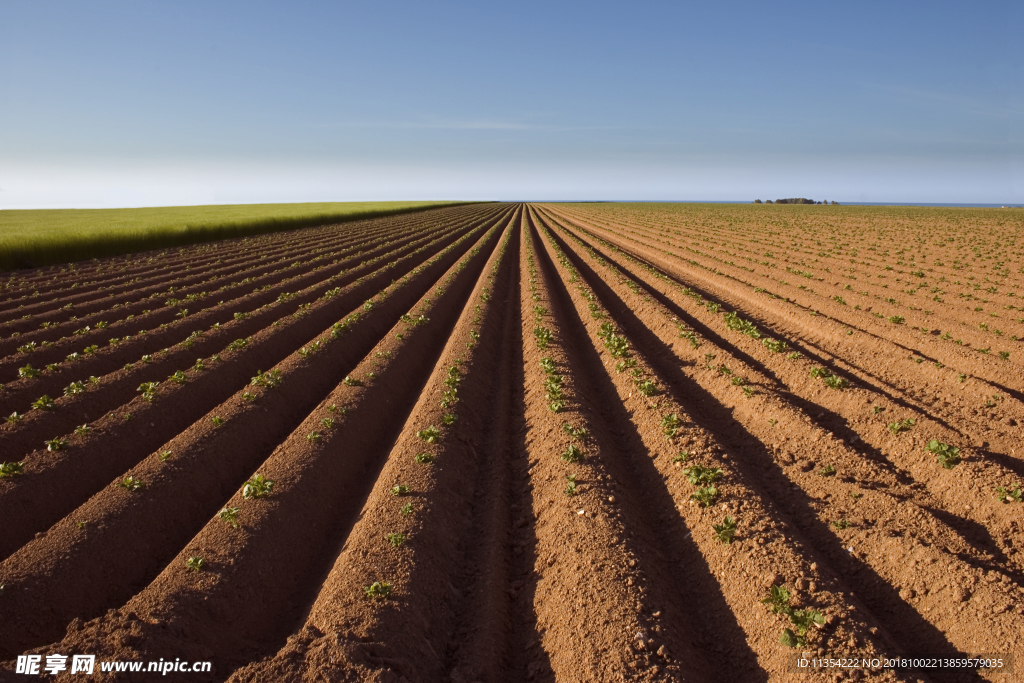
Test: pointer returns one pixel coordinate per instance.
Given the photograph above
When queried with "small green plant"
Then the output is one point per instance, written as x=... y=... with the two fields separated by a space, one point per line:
x=58 y=444
x=10 y=469
x=44 y=402
x=13 y=418
x=217 y=420
x=841 y=524
x=28 y=371
x=165 y=456
x=313 y=437
x=396 y=539
x=74 y=388
x=406 y=509
x=647 y=387
x=897 y=319
x=544 y=337
x=351 y=382
x=429 y=435
x=796 y=355
x=725 y=531
x=399 y=490
x=577 y=433
x=257 y=487
x=229 y=515
x=570 y=487
x=547 y=365
x=681 y=458
x=131 y=483
x=738 y=381
x=448 y=419
x=705 y=495
x=573 y=454
x=901 y=425
x=267 y=380
x=777 y=600
x=876 y=410
x=238 y=344
x=148 y=390
x=701 y=476
x=327 y=423
x=948 y=456
x=377 y=589
x=828 y=470
x=670 y=425
x=424 y=458
x=195 y=563
x=1009 y=494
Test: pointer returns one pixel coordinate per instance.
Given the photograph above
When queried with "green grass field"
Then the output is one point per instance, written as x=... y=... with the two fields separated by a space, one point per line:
x=41 y=237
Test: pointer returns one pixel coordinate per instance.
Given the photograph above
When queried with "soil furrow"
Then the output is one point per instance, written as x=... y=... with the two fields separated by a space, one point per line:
x=114 y=444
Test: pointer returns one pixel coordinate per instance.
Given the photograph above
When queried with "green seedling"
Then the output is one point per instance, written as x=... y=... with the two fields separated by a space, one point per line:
x=681 y=458
x=165 y=456
x=406 y=509
x=399 y=490
x=131 y=483
x=178 y=377
x=249 y=396
x=52 y=367
x=148 y=390
x=424 y=458
x=705 y=495
x=578 y=433
x=828 y=470
x=74 y=388
x=217 y=420
x=238 y=344
x=267 y=380
x=44 y=402
x=777 y=600
x=796 y=355
x=802 y=619
x=647 y=387
x=351 y=382
x=229 y=515
x=199 y=365
x=28 y=371
x=948 y=456
x=147 y=358
x=547 y=365
x=897 y=319
x=738 y=381
x=448 y=419
x=82 y=430
x=327 y=423
x=723 y=369
x=257 y=487
x=195 y=563
x=901 y=425
x=725 y=531
x=670 y=425
x=313 y=437
x=570 y=488
x=13 y=418
x=573 y=454
x=544 y=337
x=701 y=476
x=841 y=524
x=876 y=410
x=429 y=435
x=10 y=469
x=396 y=539
x=377 y=589
x=1009 y=494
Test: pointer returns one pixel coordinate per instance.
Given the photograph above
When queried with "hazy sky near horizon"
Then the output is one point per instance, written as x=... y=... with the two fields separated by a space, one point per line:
x=157 y=103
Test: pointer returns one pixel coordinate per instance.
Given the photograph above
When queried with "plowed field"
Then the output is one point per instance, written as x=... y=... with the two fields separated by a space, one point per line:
x=523 y=443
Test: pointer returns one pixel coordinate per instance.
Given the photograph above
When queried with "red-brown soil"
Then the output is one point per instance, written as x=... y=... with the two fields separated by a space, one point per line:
x=486 y=428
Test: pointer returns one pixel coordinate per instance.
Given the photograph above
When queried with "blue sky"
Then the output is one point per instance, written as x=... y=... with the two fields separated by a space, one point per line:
x=154 y=103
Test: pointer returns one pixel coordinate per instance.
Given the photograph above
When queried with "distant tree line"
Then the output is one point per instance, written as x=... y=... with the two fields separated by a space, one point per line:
x=795 y=200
